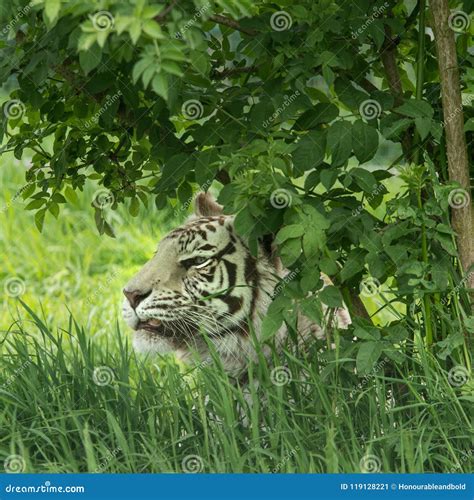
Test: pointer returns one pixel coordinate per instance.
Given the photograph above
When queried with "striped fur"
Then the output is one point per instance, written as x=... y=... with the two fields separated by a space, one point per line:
x=203 y=278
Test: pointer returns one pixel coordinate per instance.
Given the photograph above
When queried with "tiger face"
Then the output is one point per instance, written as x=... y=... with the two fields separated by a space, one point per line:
x=201 y=285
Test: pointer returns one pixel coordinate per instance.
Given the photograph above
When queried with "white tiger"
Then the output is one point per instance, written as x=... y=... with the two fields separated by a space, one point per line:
x=203 y=278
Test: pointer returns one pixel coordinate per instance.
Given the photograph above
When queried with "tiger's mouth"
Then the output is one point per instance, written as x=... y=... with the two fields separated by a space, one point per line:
x=152 y=326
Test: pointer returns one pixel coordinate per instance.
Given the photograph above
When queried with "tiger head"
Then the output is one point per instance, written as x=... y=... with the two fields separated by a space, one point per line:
x=202 y=285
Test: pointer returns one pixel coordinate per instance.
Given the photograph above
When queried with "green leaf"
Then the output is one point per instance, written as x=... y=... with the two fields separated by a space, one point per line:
x=90 y=59
x=367 y=356
x=134 y=207
x=423 y=126
x=51 y=11
x=290 y=231
x=415 y=108
x=339 y=142
x=364 y=179
x=39 y=219
x=160 y=85
x=309 y=152
x=35 y=204
x=365 y=141
x=153 y=29
x=135 y=30
x=322 y=113
x=290 y=251
x=367 y=332
x=331 y=296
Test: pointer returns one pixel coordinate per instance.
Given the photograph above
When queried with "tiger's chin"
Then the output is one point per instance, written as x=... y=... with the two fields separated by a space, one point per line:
x=146 y=341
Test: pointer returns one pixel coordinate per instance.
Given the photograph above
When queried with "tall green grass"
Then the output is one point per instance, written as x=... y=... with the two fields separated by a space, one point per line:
x=74 y=397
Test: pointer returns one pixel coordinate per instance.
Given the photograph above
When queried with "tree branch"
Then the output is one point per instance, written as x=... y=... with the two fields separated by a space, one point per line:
x=161 y=16
x=458 y=164
x=232 y=23
x=225 y=73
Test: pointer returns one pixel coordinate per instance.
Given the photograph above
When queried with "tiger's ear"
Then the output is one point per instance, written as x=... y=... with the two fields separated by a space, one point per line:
x=206 y=206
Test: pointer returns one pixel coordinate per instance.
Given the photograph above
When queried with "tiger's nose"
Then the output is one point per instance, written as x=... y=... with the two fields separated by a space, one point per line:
x=134 y=297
